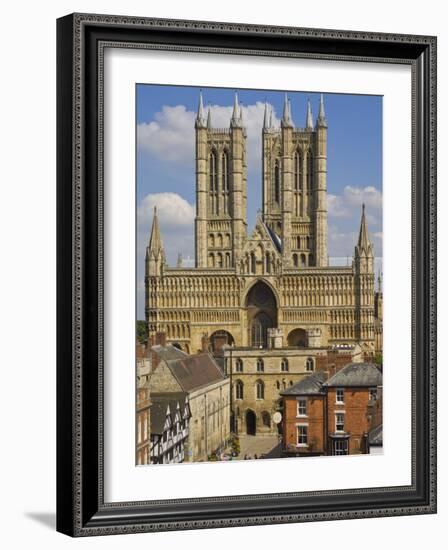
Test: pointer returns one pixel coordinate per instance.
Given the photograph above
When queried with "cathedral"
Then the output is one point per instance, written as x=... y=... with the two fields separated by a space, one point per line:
x=269 y=291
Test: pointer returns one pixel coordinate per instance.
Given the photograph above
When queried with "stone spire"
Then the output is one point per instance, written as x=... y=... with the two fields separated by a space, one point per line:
x=266 y=116
x=286 y=119
x=155 y=254
x=235 y=121
x=200 y=117
x=364 y=248
x=321 y=120
x=363 y=239
x=309 y=117
x=380 y=282
x=155 y=240
x=209 y=119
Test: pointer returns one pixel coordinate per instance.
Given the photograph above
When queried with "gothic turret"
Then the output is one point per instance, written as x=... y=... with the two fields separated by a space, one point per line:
x=155 y=254
x=320 y=193
x=209 y=119
x=309 y=117
x=235 y=121
x=286 y=119
x=321 y=120
x=266 y=124
x=200 y=116
x=364 y=248
x=220 y=222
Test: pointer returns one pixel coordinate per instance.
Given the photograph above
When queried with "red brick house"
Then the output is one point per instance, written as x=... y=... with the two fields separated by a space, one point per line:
x=325 y=415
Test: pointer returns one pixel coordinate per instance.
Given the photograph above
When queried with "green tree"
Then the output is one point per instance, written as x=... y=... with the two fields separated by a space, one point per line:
x=140 y=328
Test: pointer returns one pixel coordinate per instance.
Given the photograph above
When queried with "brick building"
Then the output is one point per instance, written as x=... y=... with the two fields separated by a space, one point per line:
x=332 y=415
x=259 y=375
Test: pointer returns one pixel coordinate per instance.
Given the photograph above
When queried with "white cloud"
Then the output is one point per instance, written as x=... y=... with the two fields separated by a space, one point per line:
x=170 y=136
x=173 y=211
x=176 y=218
x=344 y=214
x=351 y=199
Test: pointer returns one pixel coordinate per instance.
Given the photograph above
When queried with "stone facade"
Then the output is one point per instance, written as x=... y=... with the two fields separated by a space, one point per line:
x=285 y=257
x=270 y=294
x=258 y=377
x=208 y=391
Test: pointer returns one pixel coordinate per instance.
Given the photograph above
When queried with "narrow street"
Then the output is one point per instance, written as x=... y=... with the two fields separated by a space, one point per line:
x=267 y=445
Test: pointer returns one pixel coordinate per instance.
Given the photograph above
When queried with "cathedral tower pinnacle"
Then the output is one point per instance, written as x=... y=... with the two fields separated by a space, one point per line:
x=200 y=116
x=155 y=254
x=309 y=117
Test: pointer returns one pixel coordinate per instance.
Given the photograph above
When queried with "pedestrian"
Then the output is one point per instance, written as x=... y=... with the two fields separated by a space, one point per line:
x=255 y=456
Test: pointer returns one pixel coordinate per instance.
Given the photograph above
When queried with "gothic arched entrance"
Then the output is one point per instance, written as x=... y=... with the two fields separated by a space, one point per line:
x=251 y=422
x=261 y=310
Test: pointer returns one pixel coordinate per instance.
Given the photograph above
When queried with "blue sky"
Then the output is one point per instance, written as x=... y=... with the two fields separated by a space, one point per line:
x=166 y=171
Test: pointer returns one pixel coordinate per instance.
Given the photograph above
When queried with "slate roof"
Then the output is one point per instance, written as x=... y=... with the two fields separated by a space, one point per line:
x=307 y=386
x=376 y=436
x=356 y=375
x=274 y=237
x=159 y=404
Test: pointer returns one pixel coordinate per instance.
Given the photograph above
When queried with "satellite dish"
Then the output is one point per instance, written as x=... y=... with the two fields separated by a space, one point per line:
x=277 y=417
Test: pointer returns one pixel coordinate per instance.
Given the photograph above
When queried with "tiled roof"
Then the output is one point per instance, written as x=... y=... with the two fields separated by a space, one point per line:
x=191 y=371
x=356 y=375
x=195 y=371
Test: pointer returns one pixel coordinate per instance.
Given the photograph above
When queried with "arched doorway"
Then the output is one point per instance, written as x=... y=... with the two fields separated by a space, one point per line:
x=297 y=338
x=261 y=314
x=220 y=338
x=251 y=422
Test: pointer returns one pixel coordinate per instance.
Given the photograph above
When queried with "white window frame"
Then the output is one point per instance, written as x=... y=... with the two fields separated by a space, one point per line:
x=298 y=413
x=339 y=413
x=339 y=401
x=342 y=442
x=298 y=426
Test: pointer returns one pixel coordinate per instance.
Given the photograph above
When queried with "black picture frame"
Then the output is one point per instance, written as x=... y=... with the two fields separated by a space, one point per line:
x=81 y=509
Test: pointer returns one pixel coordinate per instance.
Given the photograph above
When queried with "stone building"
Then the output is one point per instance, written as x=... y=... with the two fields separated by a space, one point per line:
x=271 y=292
x=259 y=375
x=332 y=416
x=199 y=378
x=143 y=405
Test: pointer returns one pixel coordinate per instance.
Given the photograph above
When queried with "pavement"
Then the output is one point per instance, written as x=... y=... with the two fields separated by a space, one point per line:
x=252 y=445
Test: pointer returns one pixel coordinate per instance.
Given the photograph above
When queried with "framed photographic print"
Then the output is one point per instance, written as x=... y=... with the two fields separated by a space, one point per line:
x=246 y=274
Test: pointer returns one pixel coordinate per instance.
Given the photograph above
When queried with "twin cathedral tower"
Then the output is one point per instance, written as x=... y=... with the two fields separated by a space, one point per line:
x=276 y=280
x=294 y=188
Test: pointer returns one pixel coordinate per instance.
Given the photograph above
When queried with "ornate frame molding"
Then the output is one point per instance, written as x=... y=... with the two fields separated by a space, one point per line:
x=81 y=42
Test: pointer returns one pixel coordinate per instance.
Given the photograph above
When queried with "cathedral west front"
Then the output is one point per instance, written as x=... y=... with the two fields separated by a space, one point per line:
x=264 y=297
